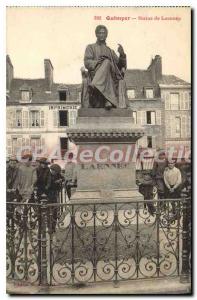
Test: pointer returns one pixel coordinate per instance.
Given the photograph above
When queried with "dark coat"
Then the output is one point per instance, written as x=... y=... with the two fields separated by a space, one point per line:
x=55 y=187
x=43 y=180
x=11 y=176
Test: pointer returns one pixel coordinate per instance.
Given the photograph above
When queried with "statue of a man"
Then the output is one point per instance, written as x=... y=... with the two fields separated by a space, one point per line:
x=105 y=70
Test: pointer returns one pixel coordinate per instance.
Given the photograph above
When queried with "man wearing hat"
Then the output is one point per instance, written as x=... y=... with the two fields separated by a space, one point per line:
x=173 y=181
x=53 y=194
x=146 y=189
x=11 y=176
x=69 y=174
x=26 y=178
x=43 y=177
x=159 y=166
x=11 y=172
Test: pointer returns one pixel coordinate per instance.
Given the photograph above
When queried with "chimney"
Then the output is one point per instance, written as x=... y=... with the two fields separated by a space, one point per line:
x=48 y=70
x=9 y=72
x=156 y=68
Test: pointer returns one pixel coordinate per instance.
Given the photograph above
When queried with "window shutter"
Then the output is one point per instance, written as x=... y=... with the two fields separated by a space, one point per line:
x=55 y=118
x=42 y=141
x=25 y=119
x=14 y=119
x=172 y=127
x=153 y=118
x=158 y=117
x=186 y=100
x=9 y=146
x=167 y=101
x=30 y=118
x=168 y=126
x=182 y=101
x=71 y=122
x=27 y=142
x=19 y=145
x=42 y=118
x=135 y=117
x=184 y=126
x=139 y=117
x=11 y=118
x=189 y=126
x=72 y=117
x=144 y=118
x=154 y=142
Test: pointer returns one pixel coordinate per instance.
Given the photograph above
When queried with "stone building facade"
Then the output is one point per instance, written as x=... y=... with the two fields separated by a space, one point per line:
x=162 y=104
x=38 y=113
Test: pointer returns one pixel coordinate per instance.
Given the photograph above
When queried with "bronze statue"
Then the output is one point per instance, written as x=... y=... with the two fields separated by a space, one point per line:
x=103 y=82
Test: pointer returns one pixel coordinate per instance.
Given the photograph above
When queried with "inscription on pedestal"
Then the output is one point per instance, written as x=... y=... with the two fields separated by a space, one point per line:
x=104 y=166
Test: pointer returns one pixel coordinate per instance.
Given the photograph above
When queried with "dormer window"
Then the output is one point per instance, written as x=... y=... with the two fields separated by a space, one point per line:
x=63 y=92
x=26 y=94
x=149 y=93
x=62 y=95
x=131 y=93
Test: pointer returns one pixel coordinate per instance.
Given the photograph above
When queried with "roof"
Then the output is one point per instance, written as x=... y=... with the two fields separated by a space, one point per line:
x=172 y=80
x=38 y=88
x=140 y=79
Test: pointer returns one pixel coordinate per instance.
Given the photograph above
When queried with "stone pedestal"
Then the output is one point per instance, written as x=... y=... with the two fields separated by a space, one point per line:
x=107 y=155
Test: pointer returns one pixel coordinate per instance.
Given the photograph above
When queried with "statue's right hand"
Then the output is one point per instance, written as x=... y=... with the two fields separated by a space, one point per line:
x=101 y=59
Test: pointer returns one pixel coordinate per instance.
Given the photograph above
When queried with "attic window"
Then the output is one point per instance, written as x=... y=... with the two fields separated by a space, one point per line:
x=26 y=96
x=131 y=93
x=62 y=95
x=149 y=93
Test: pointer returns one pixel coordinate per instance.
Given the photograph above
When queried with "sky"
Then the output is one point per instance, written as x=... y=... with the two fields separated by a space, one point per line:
x=62 y=34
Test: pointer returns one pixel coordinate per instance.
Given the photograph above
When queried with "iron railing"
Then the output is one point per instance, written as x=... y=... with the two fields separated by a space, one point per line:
x=66 y=244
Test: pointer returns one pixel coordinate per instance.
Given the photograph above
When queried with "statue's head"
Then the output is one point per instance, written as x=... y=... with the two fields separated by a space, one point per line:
x=101 y=33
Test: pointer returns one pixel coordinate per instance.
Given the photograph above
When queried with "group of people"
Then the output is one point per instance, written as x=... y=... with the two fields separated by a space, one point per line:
x=24 y=179
x=170 y=181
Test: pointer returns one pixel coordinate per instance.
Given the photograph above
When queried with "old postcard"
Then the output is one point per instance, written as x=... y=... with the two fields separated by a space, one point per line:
x=98 y=166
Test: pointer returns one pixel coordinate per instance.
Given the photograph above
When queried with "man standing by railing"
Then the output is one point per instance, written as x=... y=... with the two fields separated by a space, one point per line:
x=53 y=192
x=158 y=172
x=173 y=180
x=69 y=174
x=43 y=177
x=25 y=181
x=11 y=176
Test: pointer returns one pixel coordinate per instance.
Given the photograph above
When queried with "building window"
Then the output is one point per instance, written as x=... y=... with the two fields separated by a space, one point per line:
x=149 y=141
x=34 y=118
x=79 y=96
x=149 y=93
x=177 y=126
x=35 y=143
x=25 y=96
x=18 y=118
x=131 y=93
x=187 y=101
x=150 y=117
x=63 y=146
x=135 y=117
x=174 y=101
x=63 y=118
x=14 y=145
x=72 y=117
x=62 y=95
